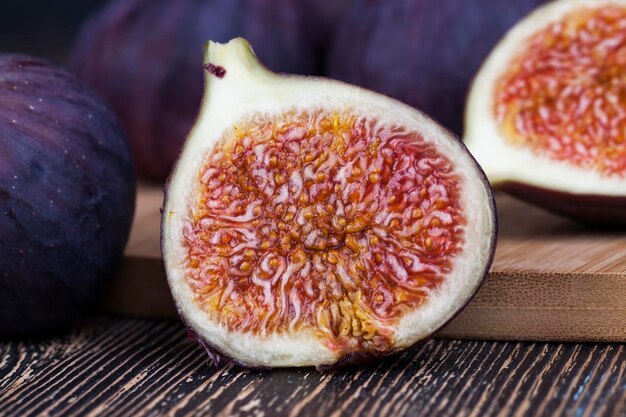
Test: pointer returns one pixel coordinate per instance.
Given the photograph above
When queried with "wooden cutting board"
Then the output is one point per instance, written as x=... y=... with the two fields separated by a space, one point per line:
x=552 y=279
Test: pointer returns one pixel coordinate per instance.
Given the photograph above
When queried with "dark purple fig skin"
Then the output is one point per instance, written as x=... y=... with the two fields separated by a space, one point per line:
x=422 y=52
x=598 y=210
x=145 y=58
x=321 y=21
x=67 y=193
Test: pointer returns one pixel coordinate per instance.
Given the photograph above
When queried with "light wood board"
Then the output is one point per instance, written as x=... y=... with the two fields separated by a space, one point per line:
x=552 y=279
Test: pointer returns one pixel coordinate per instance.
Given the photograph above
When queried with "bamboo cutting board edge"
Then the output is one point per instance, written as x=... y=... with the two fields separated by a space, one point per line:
x=511 y=308
x=551 y=280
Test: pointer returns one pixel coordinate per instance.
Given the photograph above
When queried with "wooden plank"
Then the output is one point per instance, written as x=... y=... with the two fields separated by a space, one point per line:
x=131 y=367
x=552 y=279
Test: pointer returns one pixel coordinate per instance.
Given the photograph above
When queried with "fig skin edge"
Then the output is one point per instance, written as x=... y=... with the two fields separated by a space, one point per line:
x=590 y=209
x=216 y=353
x=589 y=206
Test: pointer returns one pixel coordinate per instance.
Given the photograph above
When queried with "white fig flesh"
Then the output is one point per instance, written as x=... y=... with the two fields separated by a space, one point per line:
x=546 y=114
x=308 y=220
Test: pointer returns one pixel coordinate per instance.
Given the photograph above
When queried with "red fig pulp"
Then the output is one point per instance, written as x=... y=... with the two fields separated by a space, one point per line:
x=308 y=221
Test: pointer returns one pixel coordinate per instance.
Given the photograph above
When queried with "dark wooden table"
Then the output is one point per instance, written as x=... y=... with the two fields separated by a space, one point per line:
x=131 y=367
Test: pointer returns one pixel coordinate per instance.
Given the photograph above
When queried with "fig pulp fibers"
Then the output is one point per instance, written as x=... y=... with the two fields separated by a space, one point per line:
x=321 y=220
x=564 y=96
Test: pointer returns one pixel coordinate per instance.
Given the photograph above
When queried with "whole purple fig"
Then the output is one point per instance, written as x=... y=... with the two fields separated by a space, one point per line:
x=423 y=52
x=145 y=57
x=67 y=192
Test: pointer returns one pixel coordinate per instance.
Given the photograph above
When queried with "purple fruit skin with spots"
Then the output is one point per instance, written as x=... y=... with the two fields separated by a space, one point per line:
x=67 y=192
x=145 y=58
x=422 y=52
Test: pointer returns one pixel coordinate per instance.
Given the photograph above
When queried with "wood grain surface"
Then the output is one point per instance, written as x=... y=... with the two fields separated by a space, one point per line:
x=133 y=367
x=552 y=279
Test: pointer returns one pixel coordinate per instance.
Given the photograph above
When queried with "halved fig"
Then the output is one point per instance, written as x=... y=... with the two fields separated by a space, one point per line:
x=308 y=221
x=546 y=116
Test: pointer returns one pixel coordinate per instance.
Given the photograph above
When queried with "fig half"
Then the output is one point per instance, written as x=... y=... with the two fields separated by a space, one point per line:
x=308 y=221
x=546 y=116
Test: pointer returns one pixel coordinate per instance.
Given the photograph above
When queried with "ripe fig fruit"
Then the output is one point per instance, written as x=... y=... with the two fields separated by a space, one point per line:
x=67 y=195
x=546 y=114
x=423 y=52
x=142 y=56
x=309 y=222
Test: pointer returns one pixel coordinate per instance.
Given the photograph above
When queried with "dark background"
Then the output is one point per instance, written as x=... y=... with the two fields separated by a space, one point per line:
x=44 y=28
